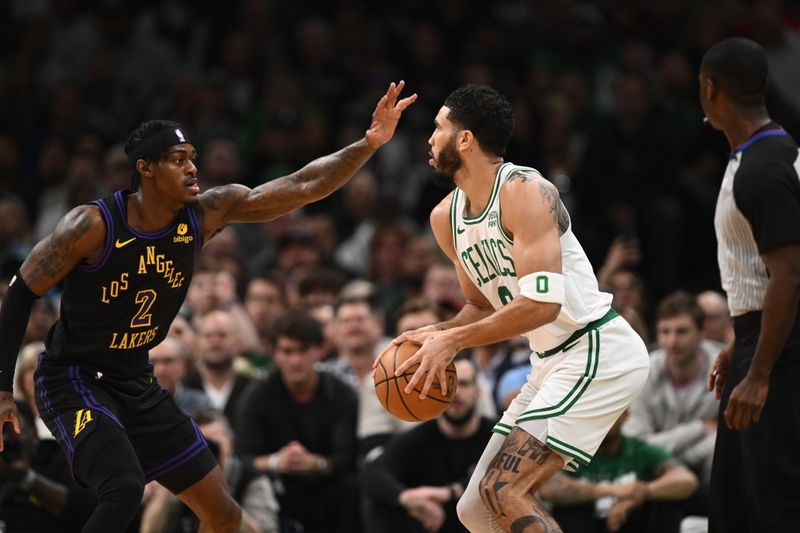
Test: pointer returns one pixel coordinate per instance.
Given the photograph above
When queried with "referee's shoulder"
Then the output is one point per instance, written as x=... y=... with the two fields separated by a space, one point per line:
x=779 y=149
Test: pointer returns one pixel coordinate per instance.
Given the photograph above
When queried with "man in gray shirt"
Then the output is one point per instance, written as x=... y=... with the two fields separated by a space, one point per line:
x=674 y=410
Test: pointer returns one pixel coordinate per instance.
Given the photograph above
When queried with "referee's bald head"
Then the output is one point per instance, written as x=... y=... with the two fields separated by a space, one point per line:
x=738 y=67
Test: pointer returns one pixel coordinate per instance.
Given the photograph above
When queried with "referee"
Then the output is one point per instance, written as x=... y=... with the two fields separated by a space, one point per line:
x=755 y=482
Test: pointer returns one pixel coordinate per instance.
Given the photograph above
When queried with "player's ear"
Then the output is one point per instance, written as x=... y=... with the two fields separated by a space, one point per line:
x=464 y=139
x=144 y=168
x=710 y=89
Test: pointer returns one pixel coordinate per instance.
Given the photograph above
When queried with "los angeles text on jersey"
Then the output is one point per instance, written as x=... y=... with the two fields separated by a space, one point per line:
x=149 y=262
x=488 y=259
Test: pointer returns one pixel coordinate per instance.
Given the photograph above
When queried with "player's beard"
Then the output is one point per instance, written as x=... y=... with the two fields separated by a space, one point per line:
x=447 y=164
x=460 y=421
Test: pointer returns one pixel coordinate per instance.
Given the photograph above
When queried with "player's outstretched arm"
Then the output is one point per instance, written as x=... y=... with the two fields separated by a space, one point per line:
x=236 y=203
x=80 y=234
x=534 y=216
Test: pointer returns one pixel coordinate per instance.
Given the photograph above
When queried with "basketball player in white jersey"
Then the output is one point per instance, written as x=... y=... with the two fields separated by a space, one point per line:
x=523 y=272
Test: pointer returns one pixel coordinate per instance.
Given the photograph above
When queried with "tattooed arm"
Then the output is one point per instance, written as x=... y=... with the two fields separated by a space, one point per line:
x=227 y=204
x=79 y=235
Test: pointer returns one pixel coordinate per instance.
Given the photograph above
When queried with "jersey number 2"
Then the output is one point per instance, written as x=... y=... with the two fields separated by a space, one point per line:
x=143 y=316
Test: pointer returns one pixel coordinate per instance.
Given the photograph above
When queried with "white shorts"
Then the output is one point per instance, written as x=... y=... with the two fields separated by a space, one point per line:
x=573 y=397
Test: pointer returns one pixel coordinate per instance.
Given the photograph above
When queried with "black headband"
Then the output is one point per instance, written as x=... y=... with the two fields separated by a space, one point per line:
x=156 y=143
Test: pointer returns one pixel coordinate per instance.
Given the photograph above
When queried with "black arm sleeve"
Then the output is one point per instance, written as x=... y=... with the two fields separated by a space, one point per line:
x=767 y=192
x=14 y=315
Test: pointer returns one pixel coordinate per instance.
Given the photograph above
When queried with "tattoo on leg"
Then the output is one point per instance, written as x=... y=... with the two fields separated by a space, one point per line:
x=490 y=486
x=520 y=525
x=512 y=460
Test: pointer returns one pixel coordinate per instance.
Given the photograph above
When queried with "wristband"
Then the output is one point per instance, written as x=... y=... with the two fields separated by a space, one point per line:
x=272 y=463
x=545 y=287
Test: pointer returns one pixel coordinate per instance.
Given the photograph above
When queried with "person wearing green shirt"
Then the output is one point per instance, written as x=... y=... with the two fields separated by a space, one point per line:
x=626 y=487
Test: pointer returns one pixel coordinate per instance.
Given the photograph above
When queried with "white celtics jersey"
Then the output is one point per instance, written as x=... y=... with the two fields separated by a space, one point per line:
x=487 y=255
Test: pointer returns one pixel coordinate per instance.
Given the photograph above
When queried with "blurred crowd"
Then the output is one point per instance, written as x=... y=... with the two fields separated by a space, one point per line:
x=272 y=352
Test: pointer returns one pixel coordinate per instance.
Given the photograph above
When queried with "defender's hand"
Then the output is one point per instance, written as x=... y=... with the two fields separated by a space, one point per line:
x=437 y=351
x=8 y=413
x=386 y=115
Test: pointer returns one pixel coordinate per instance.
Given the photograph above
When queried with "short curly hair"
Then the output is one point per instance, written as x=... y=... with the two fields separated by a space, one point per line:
x=143 y=131
x=486 y=113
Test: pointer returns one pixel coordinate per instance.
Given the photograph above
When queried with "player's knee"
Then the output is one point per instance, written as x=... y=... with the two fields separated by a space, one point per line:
x=471 y=510
x=125 y=489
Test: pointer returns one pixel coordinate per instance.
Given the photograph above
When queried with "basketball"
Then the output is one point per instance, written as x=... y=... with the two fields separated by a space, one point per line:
x=390 y=389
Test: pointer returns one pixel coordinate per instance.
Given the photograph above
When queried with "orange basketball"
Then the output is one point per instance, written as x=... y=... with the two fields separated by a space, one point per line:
x=391 y=389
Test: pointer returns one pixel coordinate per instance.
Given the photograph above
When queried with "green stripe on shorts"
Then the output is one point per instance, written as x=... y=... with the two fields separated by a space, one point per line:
x=592 y=360
x=573 y=451
x=557 y=447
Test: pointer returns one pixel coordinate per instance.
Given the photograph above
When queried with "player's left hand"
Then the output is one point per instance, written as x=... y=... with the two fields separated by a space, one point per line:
x=746 y=402
x=403 y=337
x=386 y=115
x=436 y=352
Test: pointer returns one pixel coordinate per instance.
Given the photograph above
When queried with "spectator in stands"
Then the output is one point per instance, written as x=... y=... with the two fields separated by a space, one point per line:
x=630 y=486
x=629 y=290
x=169 y=368
x=183 y=331
x=43 y=314
x=37 y=492
x=493 y=361
x=441 y=286
x=674 y=410
x=717 y=321
x=413 y=486
x=216 y=376
x=298 y=425
x=251 y=489
x=319 y=286
x=358 y=338
x=264 y=301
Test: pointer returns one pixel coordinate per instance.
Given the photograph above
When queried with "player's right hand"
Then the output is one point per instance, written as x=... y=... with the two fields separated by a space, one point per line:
x=716 y=377
x=386 y=115
x=8 y=413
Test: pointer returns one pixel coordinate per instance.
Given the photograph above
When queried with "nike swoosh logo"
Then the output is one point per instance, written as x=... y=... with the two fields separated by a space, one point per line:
x=460 y=230
x=121 y=244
